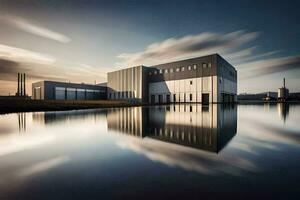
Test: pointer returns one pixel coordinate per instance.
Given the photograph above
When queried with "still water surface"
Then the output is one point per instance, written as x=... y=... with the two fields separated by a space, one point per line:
x=179 y=152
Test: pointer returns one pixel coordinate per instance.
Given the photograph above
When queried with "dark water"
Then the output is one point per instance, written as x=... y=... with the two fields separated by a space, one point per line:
x=178 y=152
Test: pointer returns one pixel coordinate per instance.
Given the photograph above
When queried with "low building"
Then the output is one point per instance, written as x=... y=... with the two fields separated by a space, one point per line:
x=283 y=92
x=52 y=90
x=207 y=79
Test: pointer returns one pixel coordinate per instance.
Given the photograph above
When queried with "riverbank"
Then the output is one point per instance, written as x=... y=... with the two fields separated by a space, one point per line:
x=17 y=105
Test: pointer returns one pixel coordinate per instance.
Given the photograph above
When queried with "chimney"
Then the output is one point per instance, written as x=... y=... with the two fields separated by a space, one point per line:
x=21 y=83
x=18 y=91
x=284 y=82
x=24 y=86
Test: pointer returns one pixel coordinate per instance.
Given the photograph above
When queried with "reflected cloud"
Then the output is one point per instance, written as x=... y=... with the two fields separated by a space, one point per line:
x=44 y=166
x=177 y=135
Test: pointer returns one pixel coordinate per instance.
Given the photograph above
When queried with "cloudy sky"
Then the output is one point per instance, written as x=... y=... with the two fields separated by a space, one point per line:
x=80 y=41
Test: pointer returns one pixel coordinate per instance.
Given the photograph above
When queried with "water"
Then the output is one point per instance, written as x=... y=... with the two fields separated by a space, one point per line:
x=181 y=151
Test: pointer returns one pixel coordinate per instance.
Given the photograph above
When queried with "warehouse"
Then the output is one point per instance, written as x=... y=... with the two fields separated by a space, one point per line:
x=51 y=90
x=207 y=79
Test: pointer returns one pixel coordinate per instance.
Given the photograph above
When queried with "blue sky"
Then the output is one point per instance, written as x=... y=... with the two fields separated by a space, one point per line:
x=80 y=41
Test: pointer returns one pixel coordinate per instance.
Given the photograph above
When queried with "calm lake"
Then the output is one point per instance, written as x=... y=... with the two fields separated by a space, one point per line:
x=178 y=151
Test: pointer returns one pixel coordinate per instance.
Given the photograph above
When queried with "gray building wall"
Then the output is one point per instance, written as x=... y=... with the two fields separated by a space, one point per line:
x=47 y=90
x=188 y=80
x=130 y=84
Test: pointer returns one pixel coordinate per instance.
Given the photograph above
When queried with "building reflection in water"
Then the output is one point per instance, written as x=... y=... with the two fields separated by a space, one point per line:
x=203 y=127
x=64 y=116
x=283 y=110
x=22 y=122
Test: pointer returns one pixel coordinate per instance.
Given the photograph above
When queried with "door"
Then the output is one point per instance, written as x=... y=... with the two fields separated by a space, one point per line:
x=160 y=98
x=152 y=99
x=168 y=98
x=205 y=98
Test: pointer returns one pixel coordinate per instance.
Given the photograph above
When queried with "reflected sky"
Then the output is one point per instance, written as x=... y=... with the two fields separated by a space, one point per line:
x=130 y=152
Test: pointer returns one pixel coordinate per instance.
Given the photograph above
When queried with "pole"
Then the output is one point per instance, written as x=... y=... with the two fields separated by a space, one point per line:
x=18 y=91
x=21 y=85
x=24 y=88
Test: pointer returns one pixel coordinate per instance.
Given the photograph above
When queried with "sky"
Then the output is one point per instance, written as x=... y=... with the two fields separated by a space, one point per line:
x=80 y=41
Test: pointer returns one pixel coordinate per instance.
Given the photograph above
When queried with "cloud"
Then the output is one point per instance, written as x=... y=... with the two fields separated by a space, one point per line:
x=234 y=47
x=188 y=46
x=39 y=66
x=23 y=55
x=28 y=27
x=268 y=66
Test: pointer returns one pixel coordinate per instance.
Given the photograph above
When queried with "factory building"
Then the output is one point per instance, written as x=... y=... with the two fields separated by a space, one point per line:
x=51 y=90
x=283 y=92
x=207 y=79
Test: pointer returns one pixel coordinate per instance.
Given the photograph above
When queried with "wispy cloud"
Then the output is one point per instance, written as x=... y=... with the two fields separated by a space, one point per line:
x=23 y=55
x=188 y=46
x=268 y=66
x=29 y=27
x=234 y=47
x=40 y=66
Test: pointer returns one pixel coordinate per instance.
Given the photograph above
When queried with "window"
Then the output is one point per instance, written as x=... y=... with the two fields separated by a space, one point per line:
x=166 y=71
x=150 y=73
x=155 y=72
x=204 y=65
x=189 y=68
x=191 y=82
x=177 y=69
x=191 y=97
x=171 y=70
x=182 y=69
x=209 y=65
x=160 y=71
x=195 y=66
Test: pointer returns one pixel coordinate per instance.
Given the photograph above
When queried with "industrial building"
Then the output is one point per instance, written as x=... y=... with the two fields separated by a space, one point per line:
x=207 y=79
x=51 y=90
x=283 y=92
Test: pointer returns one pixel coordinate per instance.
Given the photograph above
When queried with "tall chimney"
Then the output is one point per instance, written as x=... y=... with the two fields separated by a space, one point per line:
x=18 y=91
x=24 y=86
x=284 y=82
x=21 y=83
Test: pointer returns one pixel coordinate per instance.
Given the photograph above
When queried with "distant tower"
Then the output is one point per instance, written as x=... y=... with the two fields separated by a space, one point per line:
x=283 y=92
x=18 y=91
x=21 y=91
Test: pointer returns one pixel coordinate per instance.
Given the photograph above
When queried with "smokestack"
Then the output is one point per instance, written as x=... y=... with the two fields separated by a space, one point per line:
x=21 y=83
x=18 y=91
x=24 y=88
x=284 y=82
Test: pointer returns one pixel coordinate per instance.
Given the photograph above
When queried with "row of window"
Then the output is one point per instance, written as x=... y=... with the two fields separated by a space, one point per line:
x=176 y=98
x=79 y=90
x=178 y=69
x=118 y=95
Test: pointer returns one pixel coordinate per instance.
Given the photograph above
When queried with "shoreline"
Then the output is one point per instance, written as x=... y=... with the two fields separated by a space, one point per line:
x=16 y=105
